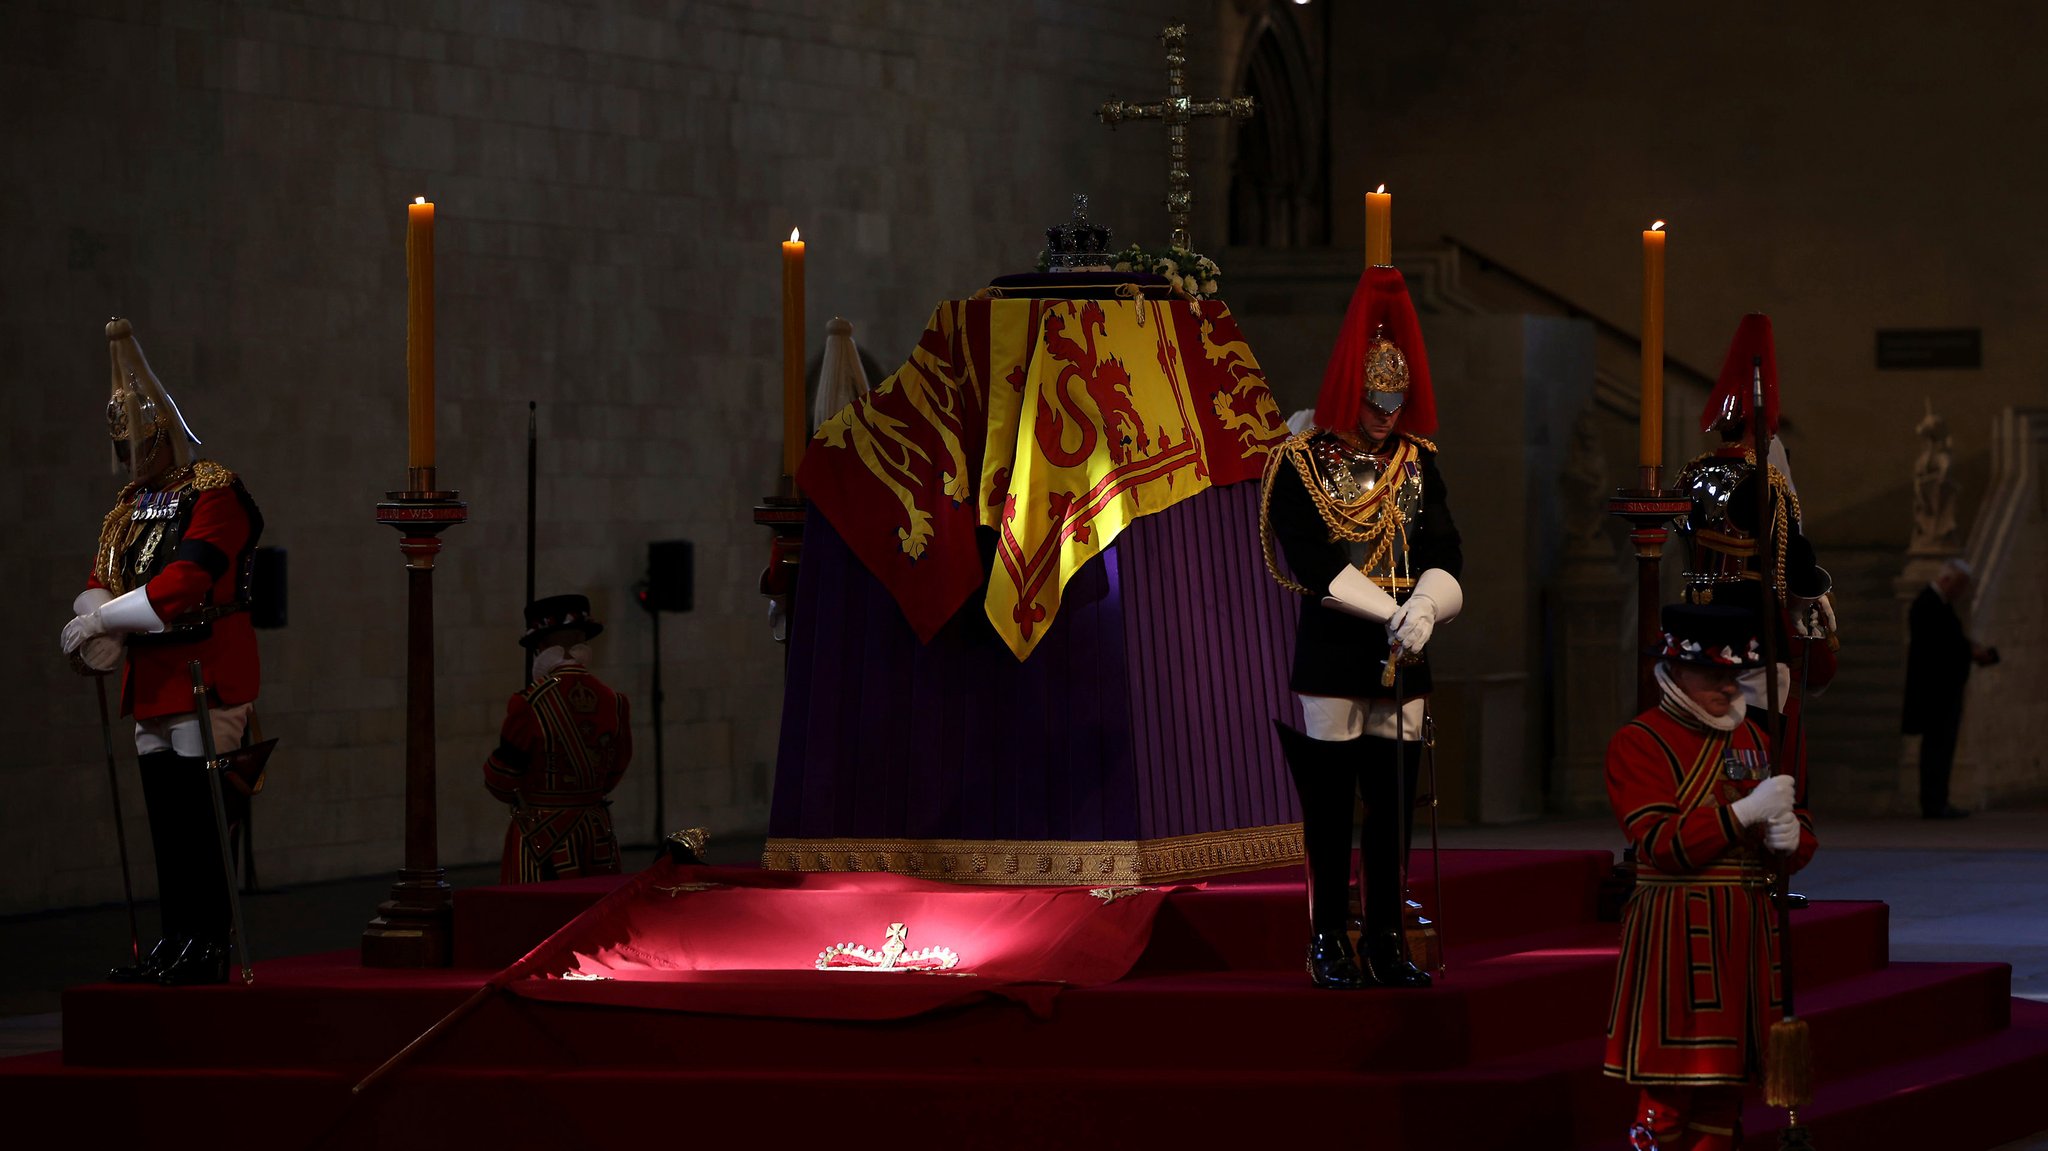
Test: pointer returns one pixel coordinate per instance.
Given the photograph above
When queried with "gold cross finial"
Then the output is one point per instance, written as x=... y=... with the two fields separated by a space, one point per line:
x=1176 y=111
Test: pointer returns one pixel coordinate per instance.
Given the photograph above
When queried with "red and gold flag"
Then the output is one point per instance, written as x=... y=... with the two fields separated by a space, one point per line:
x=1053 y=422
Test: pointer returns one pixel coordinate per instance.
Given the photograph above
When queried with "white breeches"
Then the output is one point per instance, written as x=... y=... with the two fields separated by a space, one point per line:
x=1331 y=717
x=180 y=733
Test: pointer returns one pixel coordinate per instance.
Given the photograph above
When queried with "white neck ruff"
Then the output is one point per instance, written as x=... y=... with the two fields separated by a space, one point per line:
x=1676 y=697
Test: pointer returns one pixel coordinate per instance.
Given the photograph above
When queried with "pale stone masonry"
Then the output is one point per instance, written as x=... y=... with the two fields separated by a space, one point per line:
x=611 y=182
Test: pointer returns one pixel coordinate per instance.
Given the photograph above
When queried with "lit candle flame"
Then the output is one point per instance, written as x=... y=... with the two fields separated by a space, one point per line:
x=419 y=199
x=1657 y=227
x=792 y=236
x=1383 y=187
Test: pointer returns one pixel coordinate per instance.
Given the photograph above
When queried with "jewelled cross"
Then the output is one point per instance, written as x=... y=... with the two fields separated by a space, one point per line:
x=1176 y=111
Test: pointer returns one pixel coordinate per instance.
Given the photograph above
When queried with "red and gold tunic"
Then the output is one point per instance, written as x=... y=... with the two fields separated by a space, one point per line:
x=1698 y=981
x=564 y=745
x=189 y=538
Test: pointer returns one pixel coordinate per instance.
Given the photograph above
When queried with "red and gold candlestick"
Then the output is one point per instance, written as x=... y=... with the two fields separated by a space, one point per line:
x=413 y=927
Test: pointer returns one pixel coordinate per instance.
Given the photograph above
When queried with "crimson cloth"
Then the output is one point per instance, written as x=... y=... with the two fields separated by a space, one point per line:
x=1698 y=980
x=745 y=941
x=202 y=572
x=564 y=745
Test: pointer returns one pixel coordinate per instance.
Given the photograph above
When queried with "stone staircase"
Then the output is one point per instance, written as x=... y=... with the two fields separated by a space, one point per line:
x=1853 y=734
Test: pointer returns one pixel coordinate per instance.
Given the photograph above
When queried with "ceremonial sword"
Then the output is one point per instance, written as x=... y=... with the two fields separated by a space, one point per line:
x=214 y=766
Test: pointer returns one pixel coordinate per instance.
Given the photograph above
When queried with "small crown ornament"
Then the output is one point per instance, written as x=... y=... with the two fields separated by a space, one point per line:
x=891 y=957
x=1077 y=243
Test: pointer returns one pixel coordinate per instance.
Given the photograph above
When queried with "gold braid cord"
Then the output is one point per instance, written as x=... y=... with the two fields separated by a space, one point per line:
x=1363 y=521
x=1273 y=459
x=118 y=531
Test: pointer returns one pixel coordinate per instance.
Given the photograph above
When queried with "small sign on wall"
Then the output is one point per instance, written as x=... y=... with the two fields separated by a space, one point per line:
x=1907 y=348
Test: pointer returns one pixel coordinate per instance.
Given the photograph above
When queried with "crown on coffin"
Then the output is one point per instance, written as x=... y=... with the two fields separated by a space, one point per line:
x=893 y=955
x=1077 y=243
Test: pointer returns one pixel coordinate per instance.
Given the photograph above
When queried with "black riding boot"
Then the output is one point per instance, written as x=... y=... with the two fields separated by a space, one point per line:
x=159 y=801
x=1324 y=782
x=204 y=898
x=1389 y=823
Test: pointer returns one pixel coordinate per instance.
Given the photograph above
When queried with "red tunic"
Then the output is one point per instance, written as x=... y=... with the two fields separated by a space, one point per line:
x=1698 y=979
x=203 y=569
x=564 y=745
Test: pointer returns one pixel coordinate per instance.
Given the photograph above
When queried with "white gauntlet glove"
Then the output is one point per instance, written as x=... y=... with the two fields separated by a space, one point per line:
x=1354 y=593
x=1436 y=598
x=121 y=615
x=1815 y=620
x=1771 y=799
x=101 y=652
x=1781 y=833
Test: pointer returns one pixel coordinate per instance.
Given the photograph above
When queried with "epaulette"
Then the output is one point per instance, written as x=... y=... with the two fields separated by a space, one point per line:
x=1418 y=441
x=207 y=476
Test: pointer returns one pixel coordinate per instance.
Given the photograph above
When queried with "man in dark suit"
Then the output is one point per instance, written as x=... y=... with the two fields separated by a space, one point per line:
x=1937 y=666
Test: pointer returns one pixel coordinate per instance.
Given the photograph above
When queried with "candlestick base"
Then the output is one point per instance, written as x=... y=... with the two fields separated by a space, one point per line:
x=413 y=928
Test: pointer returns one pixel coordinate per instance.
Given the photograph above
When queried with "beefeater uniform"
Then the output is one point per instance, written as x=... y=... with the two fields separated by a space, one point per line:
x=1698 y=980
x=564 y=745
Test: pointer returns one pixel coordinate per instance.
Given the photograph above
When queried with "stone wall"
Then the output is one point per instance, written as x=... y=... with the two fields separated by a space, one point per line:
x=611 y=180
x=1844 y=169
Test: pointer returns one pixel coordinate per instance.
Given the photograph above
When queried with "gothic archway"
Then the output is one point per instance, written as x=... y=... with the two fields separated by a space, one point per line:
x=1279 y=180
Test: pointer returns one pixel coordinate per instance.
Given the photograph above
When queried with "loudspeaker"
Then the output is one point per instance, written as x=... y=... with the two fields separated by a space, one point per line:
x=267 y=598
x=671 y=576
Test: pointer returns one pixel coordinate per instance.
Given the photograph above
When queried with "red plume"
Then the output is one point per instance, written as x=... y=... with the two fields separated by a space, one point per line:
x=1752 y=339
x=1380 y=298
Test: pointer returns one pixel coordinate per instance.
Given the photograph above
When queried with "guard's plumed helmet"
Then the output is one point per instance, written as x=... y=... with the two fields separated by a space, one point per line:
x=1379 y=359
x=1728 y=405
x=141 y=413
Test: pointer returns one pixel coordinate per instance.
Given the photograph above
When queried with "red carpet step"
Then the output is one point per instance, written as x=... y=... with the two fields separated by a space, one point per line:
x=1214 y=1036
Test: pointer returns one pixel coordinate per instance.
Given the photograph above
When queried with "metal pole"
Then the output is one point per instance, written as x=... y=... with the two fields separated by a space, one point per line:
x=120 y=827
x=660 y=810
x=532 y=501
x=220 y=820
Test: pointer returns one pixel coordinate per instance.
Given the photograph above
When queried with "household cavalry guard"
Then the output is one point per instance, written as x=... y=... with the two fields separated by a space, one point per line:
x=1362 y=517
x=1727 y=561
x=170 y=583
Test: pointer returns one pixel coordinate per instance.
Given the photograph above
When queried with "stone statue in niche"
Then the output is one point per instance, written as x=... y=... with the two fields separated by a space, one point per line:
x=1934 y=493
x=1583 y=486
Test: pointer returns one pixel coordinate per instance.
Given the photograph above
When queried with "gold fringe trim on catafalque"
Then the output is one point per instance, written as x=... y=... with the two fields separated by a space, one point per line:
x=1047 y=862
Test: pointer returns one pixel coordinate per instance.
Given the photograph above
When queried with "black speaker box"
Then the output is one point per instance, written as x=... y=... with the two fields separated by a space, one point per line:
x=267 y=599
x=671 y=576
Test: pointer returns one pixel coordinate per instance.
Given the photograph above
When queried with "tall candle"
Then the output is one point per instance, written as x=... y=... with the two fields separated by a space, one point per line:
x=1651 y=430
x=1379 y=228
x=419 y=333
x=792 y=356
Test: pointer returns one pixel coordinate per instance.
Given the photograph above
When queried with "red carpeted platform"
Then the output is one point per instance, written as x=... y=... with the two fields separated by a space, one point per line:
x=1214 y=1035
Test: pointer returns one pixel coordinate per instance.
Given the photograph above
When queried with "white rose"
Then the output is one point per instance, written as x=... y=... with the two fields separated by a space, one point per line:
x=1208 y=287
x=1123 y=265
x=1169 y=269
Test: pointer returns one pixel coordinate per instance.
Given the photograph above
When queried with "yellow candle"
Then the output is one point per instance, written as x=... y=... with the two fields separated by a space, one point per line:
x=792 y=356
x=1379 y=228
x=1651 y=429
x=419 y=333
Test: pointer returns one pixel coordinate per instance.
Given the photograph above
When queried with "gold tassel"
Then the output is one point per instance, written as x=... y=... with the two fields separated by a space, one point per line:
x=1788 y=1065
